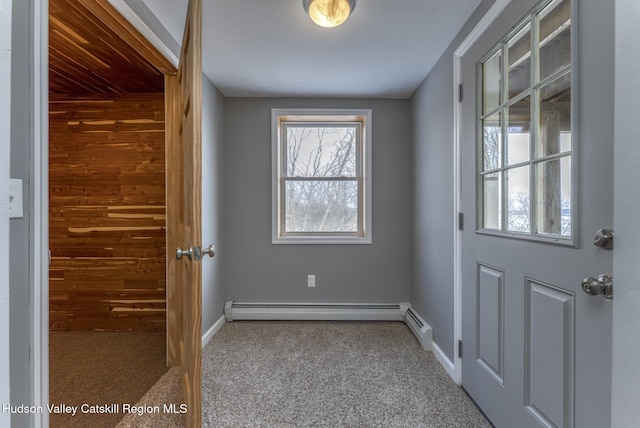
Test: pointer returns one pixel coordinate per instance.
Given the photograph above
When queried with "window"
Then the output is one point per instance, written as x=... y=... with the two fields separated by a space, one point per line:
x=321 y=162
x=525 y=176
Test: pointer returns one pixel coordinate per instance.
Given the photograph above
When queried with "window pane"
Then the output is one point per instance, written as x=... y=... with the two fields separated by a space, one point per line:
x=321 y=206
x=554 y=196
x=492 y=211
x=520 y=62
x=492 y=142
x=554 y=135
x=518 y=131
x=321 y=151
x=492 y=83
x=518 y=200
x=555 y=37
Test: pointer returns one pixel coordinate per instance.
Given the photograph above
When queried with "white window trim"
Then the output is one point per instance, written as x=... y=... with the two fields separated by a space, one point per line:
x=320 y=114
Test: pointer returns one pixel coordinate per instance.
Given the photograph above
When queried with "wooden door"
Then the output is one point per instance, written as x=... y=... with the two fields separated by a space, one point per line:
x=184 y=208
x=536 y=347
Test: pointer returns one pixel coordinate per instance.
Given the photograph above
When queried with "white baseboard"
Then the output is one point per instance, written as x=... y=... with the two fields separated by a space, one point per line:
x=213 y=330
x=443 y=360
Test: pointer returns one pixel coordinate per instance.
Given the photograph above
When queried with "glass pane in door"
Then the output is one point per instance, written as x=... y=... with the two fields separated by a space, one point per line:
x=555 y=37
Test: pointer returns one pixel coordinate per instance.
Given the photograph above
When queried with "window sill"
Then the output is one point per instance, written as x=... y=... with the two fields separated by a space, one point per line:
x=319 y=240
x=562 y=241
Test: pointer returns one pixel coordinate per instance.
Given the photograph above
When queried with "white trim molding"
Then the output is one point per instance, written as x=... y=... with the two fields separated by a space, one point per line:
x=442 y=358
x=215 y=328
x=39 y=196
x=5 y=148
x=484 y=23
x=144 y=29
x=359 y=118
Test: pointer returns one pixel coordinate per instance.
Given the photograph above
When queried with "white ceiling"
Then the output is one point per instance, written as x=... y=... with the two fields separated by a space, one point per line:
x=271 y=47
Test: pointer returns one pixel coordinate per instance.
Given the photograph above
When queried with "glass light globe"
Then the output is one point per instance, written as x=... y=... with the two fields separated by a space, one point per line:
x=329 y=13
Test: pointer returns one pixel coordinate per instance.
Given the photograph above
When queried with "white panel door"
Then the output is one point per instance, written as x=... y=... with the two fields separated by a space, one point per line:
x=536 y=347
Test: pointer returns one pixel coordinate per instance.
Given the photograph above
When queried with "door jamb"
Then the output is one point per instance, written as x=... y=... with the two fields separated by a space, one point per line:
x=40 y=224
x=490 y=16
x=39 y=194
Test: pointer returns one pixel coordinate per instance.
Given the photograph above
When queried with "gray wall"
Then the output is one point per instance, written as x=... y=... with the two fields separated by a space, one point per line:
x=626 y=270
x=212 y=203
x=143 y=12
x=20 y=239
x=432 y=208
x=257 y=270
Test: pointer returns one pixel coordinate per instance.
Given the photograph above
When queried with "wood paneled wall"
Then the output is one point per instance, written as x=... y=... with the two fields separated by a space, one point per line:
x=107 y=213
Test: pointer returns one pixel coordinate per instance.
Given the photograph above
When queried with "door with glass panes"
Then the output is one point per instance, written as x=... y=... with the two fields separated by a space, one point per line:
x=536 y=346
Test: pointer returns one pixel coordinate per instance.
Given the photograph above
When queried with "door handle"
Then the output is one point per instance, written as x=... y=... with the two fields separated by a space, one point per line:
x=602 y=285
x=181 y=253
x=209 y=251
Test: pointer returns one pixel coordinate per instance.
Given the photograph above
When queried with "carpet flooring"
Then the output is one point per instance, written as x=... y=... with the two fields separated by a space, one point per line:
x=102 y=368
x=319 y=374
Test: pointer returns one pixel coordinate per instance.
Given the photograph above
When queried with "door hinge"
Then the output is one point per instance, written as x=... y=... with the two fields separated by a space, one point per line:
x=459 y=348
x=460 y=92
x=460 y=221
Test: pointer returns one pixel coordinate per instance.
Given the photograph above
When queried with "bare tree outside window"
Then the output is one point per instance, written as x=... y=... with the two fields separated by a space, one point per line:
x=321 y=186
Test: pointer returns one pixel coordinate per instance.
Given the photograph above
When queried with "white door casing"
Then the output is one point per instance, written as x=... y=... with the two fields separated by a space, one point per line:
x=5 y=147
x=536 y=347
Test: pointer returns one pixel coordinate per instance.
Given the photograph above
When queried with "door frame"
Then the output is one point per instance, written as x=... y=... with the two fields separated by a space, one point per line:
x=5 y=147
x=39 y=192
x=454 y=367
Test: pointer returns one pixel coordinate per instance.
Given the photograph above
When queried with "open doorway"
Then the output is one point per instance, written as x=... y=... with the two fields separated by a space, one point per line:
x=107 y=218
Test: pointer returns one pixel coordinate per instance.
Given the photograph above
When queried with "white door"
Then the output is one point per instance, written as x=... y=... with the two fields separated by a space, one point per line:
x=537 y=176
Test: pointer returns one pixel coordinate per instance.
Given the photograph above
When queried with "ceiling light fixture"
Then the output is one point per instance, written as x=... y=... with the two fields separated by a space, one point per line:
x=329 y=13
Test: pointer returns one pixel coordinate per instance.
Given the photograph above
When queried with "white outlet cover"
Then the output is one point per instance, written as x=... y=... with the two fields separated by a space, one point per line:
x=311 y=280
x=15 y=198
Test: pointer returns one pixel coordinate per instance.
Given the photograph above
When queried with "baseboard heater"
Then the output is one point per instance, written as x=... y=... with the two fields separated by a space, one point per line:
x=314 y=311
x=331 y=312
x=421 y=330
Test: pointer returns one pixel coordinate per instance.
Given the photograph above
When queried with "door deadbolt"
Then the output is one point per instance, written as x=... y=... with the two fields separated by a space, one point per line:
x=602 y=285
x=604 y=239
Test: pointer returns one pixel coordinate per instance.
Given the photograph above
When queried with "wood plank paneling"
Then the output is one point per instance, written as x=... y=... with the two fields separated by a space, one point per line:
x=87 y=55
x=107 y=214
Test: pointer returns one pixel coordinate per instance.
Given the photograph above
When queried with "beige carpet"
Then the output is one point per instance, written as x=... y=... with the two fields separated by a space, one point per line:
x=167 y=390
x=102 y=369
x=318 y=374
x=328 y=374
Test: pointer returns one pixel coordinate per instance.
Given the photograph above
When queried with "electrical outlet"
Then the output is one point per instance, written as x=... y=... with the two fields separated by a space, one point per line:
x=311 y=280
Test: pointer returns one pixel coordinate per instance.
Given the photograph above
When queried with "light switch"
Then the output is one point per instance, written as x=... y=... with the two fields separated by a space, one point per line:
x=15 y=198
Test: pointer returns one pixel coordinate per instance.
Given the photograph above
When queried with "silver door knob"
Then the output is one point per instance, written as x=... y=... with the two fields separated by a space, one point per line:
x=602 y=285
x=181 y=253
x=210 y=251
